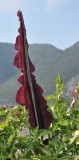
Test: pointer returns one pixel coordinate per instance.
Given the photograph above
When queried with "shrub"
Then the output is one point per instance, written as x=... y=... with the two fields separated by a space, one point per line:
x=60 y=141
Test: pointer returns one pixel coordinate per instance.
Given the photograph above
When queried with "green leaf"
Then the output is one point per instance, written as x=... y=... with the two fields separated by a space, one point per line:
x=11 y=138
x=3 y=125
x=75 y=136
x=59 y=87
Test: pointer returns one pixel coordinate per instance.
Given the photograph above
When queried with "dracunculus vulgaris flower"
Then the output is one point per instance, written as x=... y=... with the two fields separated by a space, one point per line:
x=30 y=93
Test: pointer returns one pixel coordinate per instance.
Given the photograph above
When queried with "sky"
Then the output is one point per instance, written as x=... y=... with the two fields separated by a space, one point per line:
x=55 y=22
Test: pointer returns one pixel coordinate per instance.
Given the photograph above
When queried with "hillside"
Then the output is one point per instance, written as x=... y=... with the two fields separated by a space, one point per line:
x=7 y=53
x=48 y=61
x=71 y=86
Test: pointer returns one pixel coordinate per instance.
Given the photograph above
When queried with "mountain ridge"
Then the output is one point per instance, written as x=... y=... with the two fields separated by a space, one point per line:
x=48 y=61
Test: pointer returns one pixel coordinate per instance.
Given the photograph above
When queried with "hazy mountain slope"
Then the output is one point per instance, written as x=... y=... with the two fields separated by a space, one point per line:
x=66 y=63
x=38 y=53
x=70 y=86
x=7 y=53
x=8 y=91
x=49 y=61
x=41 y=52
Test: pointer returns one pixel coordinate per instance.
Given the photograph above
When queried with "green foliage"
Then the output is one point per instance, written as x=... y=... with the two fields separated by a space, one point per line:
x=62 y=135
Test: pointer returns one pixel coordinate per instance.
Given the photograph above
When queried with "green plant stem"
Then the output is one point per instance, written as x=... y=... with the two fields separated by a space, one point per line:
x=28 y=128
x=11 y=153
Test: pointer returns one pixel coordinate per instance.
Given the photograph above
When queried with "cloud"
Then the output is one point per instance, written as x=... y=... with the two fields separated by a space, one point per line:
x=11 y=5
x=53 y=5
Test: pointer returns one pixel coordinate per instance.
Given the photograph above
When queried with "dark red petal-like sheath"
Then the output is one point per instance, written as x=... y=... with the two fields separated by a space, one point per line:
x=21 y=79
x=20 y=96
x=30 y=93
